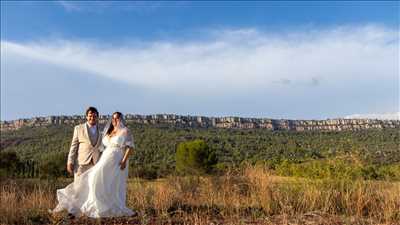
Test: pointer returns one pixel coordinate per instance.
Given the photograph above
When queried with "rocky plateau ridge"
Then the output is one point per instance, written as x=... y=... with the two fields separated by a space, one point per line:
x=214 y=122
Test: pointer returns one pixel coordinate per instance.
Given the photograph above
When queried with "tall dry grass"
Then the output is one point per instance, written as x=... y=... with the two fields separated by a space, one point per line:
x=26 y=202
x=237 y=197
x=255 y=193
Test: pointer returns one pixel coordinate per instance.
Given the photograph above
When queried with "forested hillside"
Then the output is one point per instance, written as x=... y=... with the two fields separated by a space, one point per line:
x=282 y=151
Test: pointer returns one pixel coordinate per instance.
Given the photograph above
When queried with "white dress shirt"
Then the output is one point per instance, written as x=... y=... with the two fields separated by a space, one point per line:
x=92 y=129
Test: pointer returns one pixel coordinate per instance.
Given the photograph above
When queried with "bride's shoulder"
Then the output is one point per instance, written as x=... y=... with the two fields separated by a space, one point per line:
x=106 y=137
x=125 y=131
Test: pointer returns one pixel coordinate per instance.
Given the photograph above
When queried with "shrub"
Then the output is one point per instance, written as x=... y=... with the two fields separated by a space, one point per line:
x=194 y=157
x=147 y=171
x=53 y=165
x=389 y=172
x=9 y=162
x=338 y=169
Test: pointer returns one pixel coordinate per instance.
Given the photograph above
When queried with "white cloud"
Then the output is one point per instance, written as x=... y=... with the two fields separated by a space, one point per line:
x=238 y=59
x=383 y=116
x=102 y=6
x=331 y=72
x=69 y=6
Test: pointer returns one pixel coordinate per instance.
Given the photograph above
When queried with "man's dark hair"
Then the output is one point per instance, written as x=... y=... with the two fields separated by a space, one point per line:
x=93 y=110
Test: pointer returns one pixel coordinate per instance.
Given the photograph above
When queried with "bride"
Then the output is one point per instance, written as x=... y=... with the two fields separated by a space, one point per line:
x=101 y=190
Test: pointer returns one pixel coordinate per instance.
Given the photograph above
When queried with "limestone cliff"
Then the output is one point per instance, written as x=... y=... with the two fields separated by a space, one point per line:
x=218 y=122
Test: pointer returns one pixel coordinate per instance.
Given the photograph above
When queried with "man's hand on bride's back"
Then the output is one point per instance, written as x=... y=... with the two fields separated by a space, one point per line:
x=70 y=168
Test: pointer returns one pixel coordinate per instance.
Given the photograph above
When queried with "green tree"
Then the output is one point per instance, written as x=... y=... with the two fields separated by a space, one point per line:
x=52 y=165
x=194 y=157
x=8 y=163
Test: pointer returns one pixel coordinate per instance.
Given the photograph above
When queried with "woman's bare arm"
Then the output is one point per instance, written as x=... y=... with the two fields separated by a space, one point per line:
x=128 y=151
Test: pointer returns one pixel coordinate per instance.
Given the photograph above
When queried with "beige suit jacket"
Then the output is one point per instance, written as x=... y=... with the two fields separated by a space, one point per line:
x=82 y=151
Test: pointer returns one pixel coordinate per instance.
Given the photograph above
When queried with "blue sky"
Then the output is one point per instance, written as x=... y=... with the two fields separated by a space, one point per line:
x=295 y=60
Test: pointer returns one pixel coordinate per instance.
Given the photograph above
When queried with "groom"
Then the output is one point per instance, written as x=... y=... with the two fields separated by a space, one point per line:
x=84 y=151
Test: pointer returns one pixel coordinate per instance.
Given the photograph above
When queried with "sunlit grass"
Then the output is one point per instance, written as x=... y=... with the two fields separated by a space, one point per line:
x=252 y=194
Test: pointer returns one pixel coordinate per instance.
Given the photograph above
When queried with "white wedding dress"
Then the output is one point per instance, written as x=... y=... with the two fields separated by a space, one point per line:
x=101 y=190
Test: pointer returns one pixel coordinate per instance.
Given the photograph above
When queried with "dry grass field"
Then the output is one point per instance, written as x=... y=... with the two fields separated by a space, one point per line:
x=250 y=196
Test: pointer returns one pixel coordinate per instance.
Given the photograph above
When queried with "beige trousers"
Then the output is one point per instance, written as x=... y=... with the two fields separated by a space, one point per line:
x=82 y=168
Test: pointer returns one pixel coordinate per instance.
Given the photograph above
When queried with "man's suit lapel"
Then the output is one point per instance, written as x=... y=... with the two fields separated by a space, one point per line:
x=86 y=130
x=98 y=136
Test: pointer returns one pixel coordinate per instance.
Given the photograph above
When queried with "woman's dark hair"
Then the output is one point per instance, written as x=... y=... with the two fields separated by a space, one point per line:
x=93 y=110
x=111 y=128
